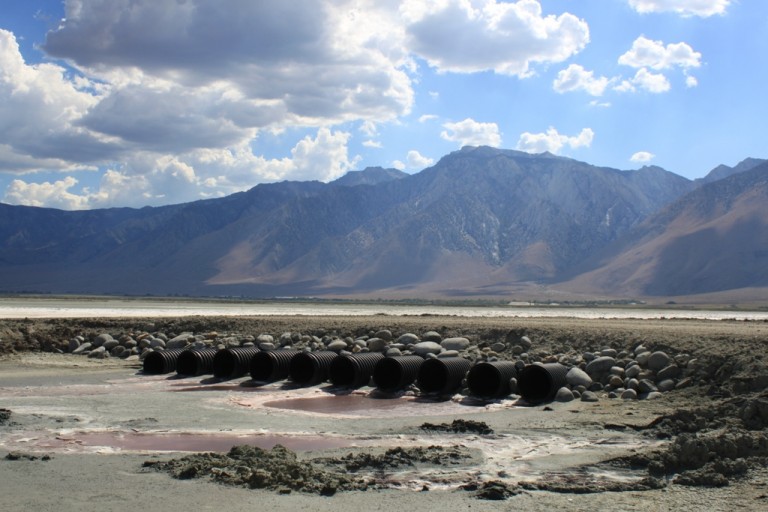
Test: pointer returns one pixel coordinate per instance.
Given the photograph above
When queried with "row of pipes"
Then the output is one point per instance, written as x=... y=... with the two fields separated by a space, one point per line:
x=536 y=382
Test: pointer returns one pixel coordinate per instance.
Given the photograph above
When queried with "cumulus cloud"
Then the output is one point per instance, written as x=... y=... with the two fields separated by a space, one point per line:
x=553 y=141
x=312 y=62
x=54 y=195
x=472 y=133
x=642 y=156
x=701 y=8
x=647 y=53
x=576 y=78
x=40 y=108
x=165 y=98
x=477 y=35
x=148 y=179
x=651 y=82
x=414 y=160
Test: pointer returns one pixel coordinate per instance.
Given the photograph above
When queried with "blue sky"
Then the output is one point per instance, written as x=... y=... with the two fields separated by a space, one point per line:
x=131 y=103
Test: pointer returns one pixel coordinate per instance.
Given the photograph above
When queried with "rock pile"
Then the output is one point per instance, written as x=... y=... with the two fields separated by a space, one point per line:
x=632 y=373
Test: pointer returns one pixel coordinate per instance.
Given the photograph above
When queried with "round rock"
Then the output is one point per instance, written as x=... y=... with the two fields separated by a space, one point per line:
x=377 y=344
x=455 y=343
x=408 y=339
x=646 y=386
x=82 y=348
x=589 y=396
x=101 y=339
x=564 y=395
x=384 y=334
x=632 y=371
x=666 y=385
x=658 y=360
x=578 y=377
x=600 y=365
x=432 y=336
x=265 y=338
x=426 y=347
x=668 y=372
x=498 y=347
x=337 y=345
x=629 y=394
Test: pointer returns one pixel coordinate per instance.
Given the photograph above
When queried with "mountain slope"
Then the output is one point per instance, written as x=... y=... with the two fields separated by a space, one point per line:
x=482 y=221
x=711 y=240
x=480 y=217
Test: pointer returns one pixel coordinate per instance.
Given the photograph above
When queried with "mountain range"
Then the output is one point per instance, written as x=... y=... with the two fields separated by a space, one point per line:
x=482 y=222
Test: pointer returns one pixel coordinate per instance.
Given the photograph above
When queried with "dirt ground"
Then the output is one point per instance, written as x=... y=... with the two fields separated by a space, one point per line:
x=83 y=434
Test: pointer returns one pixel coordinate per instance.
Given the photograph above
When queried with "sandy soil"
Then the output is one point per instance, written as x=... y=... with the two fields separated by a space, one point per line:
x=78 y=434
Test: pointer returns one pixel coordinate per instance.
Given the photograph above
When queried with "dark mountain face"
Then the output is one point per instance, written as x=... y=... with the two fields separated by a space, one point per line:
x=480 y=222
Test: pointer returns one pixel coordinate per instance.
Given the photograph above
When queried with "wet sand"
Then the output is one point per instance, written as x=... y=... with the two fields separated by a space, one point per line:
x=100 y=421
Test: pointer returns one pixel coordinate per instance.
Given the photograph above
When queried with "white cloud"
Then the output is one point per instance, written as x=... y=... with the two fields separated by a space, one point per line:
x=647 y=53
x=53 y=195
x=553 y=141
x=374 y=144
x=601 y=104
x=40 y=112
x=575 y=78
x=167 y=93
x=642 y=156
x=467 y=36
x=691 y=81
x=701 y=8
x=312 y=62
x=418 y=161
x=471 y=133
x=148 y=179
x=652 y=82
x=369 y=128
x=428 y=117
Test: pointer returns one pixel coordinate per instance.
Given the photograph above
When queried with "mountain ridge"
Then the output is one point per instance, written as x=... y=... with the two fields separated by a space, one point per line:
x=479 y=222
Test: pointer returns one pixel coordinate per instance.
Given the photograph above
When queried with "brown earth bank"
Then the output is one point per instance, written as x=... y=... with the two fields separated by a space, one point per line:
x=713 y=425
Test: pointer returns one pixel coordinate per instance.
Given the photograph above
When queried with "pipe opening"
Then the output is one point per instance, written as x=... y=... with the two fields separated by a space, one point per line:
x=343 y=371
x=303 y=368
x=388 y=374
x=224 y=364
x=433 y=376
x=262 y=366
x=491 y=379
x=535 y=383
x=154 y=364
x=484 y=380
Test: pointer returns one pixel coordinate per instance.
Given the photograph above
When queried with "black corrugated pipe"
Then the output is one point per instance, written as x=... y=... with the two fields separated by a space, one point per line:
x=491 y=379
x=442 y=375
x=355 y=370
x=310 y=368
x=161 y=361
x=231 y=363
x=539 y=382
x=395 y=373
x=272 y=365
x=196 y=362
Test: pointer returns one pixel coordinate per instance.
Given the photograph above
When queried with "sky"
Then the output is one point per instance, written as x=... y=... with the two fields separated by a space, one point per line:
x=112 y=103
